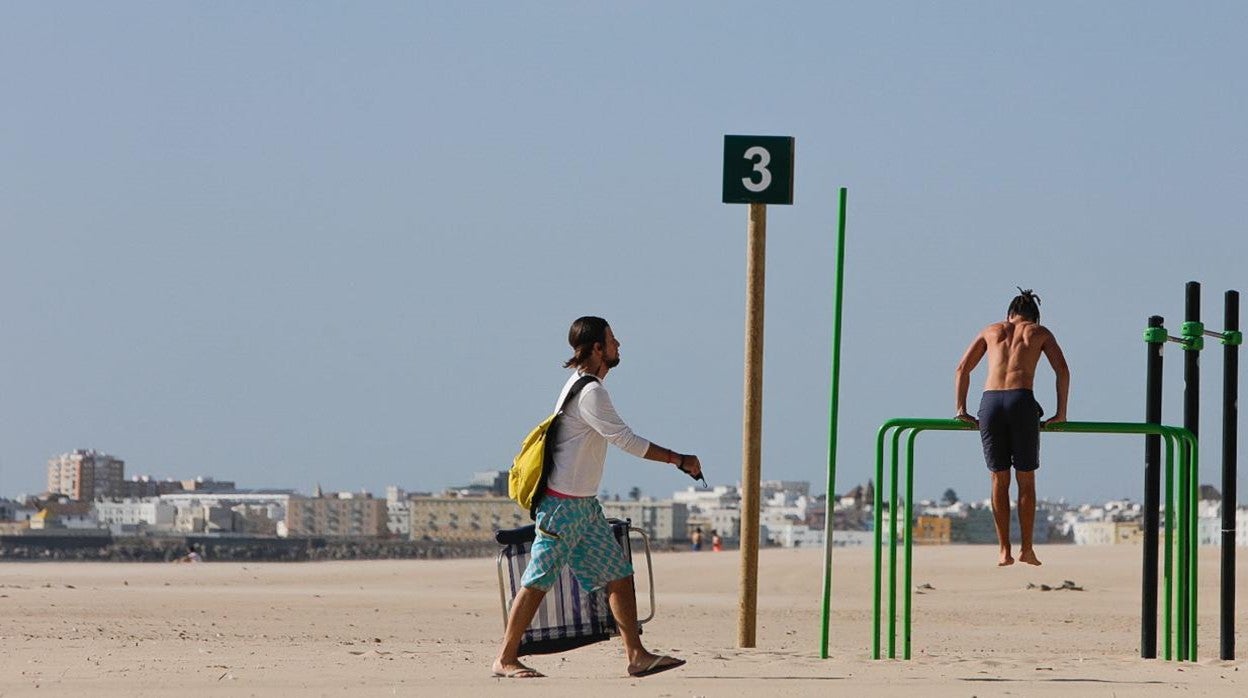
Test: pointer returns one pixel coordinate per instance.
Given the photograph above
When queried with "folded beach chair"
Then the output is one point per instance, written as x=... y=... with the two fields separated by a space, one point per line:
x=569 y=617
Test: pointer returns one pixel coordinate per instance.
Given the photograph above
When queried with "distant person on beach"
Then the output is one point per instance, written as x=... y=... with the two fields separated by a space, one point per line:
x=192 y=555
x=717 y=543
x=697 y=539
x=1009 y=417
x=571 y=528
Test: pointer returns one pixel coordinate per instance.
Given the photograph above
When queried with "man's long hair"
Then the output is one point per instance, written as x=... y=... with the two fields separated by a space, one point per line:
x=585 y=331
x=1025 y=305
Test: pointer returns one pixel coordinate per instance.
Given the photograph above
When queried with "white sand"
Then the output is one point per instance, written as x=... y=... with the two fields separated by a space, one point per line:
x=431 y=628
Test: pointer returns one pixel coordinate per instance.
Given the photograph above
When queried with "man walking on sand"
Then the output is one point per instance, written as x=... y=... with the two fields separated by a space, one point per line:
x=1009 y=416
x=571 y=528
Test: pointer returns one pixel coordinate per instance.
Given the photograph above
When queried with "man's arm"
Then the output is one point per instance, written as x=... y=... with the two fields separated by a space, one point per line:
x=599 y=413
x=962 y=377
x=1053 y=352
x=686 y=462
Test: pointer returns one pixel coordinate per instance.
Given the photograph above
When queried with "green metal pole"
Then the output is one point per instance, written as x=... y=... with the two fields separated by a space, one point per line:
x=909 y=581
x=833 y=400
x=1184 y=534
x=1169 y=548
x=892 y=543
x=878 y=516
x=1194 y=549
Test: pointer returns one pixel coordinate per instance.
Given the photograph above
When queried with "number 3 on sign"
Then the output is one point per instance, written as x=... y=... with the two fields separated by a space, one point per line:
x=761 y=159
x=758 y=169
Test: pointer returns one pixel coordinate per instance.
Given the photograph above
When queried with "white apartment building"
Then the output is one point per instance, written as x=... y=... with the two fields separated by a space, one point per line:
x=128 y=514
x=1209 y=524
x=662 y=521
x=398 y=512
x=717 y=509
x=203 y=518
x=274 y=501
x=799 y=536
x=1094 y=532
x=238 y=511
x=721 y=496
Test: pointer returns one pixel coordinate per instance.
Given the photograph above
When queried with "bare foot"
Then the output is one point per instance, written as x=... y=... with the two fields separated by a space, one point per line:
x=514 y=670
x=1006 y=559
x=1029 y=556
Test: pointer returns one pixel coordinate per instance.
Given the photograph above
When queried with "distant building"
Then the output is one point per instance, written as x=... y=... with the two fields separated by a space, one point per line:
x=257 y=519
x=463 y=519
x=148 y=486
x=663 y=522
x=238 y=511
x=64 y=514
x=207 y=484
x=491 y=482
x=128 y=515
x=9 y=510
x=979 y=526
x=933 y=530
x=790 y=489
x=717 y=509
x=351 y=516
x=398 y=512
x=1096 y=532
x=798 y=536
x=1209 y=524
x=144 y=486
x=85 y=475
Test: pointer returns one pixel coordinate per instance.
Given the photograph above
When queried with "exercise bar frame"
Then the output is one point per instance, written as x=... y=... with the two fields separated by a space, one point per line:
x=1186 y=520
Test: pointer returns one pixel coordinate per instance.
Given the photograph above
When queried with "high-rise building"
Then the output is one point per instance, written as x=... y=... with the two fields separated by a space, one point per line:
x=86 y=474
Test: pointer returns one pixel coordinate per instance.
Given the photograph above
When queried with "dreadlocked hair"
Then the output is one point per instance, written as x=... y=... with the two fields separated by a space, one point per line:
x=1025 y=305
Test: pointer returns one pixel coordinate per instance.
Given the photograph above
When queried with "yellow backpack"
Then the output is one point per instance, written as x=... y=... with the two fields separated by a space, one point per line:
x=530 y=469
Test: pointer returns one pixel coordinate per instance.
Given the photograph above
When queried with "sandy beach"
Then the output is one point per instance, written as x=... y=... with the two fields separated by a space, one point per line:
x=431 y=627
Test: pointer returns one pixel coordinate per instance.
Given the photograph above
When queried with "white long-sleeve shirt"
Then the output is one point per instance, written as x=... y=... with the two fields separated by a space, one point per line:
x=580 y=450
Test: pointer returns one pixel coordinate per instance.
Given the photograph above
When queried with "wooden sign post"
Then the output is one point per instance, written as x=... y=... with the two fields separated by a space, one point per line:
x=758 y=170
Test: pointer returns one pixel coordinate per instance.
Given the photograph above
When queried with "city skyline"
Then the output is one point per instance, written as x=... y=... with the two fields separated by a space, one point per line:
x=477 y=481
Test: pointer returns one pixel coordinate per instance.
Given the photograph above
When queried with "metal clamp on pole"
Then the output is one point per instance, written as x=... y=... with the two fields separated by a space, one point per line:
x=1155 y=335
x=1191 y=335
x=1229 y=338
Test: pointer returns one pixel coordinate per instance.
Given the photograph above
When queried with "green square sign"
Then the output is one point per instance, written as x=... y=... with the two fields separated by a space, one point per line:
x=758 y=169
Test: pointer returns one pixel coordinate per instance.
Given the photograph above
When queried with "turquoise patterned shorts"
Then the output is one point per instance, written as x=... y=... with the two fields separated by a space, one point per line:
x=574 y=532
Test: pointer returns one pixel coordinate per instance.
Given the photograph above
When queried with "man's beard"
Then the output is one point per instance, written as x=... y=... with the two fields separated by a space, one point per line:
x=612 y=363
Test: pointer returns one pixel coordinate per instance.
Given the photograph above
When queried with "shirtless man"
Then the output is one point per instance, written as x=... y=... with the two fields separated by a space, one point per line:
x=1009 y=416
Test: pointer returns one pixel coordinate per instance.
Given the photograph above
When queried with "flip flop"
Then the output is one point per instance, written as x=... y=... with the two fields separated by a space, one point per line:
x=656 y=666
x=522 y=673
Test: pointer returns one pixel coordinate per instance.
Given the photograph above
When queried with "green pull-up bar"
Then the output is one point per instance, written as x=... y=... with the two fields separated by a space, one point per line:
x=1187 y=540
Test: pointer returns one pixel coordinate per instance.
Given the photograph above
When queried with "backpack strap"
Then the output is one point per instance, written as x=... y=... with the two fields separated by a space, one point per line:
x=576 y=388
x=548 y=452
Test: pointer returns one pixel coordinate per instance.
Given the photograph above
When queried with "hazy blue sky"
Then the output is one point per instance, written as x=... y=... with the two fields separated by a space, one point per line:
x=290 y=243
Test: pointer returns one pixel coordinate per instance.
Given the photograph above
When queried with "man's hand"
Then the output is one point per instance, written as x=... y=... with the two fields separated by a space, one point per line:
x=1055 y=419
x=691 y=466
x=964 y=416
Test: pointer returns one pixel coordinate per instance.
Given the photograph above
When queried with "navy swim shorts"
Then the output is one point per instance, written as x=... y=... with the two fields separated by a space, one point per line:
x=1009 y=426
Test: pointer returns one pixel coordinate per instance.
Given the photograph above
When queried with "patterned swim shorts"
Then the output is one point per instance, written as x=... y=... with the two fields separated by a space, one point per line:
x=573 y=531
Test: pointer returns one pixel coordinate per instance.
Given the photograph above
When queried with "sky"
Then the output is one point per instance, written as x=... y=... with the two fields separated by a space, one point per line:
x=341 y=243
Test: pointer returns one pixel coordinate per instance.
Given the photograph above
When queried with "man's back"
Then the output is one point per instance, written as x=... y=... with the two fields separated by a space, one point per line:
x=1013 y=348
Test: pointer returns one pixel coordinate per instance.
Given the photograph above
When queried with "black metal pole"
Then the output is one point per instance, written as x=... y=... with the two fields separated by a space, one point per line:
x=1230 y=424
x=1152 y=493
x=1191 y=420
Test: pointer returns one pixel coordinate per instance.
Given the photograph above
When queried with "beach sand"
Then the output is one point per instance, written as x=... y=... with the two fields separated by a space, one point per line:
x=430 y=628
